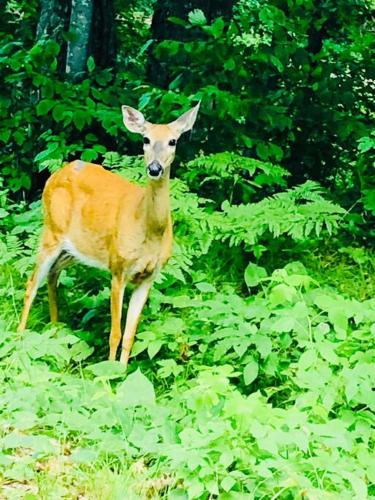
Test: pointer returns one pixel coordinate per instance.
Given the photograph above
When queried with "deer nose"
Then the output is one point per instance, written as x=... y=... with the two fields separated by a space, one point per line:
x=155 y=169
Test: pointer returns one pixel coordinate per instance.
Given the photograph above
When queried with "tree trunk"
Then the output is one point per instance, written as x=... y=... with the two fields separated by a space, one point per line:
x=53 y=22
x=53 y=19
x=103 y=39
x=78 y=46
x=91 y=27
x=162 y=29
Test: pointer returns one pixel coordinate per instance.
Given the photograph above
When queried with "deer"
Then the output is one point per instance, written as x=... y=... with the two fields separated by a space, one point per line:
x=97 y=217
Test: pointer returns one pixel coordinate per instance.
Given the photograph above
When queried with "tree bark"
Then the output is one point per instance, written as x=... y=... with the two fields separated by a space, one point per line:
x=103 y=39
x=91 y=27
x=78 y=47
x=53 y=19
x=53 y=22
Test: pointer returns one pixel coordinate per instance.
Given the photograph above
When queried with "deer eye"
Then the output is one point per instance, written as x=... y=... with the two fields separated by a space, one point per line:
x=146 y=140
x=172 y=142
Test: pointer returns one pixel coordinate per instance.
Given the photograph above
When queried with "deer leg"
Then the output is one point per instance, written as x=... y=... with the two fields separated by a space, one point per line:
x=136 y=303
x=117 y=296
x=52 y=278
x=62 y=261
x=45 y=261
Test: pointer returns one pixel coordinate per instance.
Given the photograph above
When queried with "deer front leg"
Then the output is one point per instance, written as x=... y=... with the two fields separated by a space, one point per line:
x=117 y=296
x=52 y=295
x=136 y=303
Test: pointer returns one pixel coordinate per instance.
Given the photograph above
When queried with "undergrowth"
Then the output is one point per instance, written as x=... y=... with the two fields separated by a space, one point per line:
x=252 y=371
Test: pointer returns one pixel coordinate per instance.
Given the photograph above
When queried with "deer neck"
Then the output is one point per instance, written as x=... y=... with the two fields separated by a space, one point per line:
x=157 y=204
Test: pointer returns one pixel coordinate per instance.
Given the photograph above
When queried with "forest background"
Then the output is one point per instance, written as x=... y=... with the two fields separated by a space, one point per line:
x=252 y=371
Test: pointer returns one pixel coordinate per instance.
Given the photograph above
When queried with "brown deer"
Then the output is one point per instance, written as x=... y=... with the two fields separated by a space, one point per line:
x=105 y=221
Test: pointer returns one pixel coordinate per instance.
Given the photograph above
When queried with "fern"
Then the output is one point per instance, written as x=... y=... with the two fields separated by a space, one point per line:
x=231 y=176
x=228 y=165
x=297 y=213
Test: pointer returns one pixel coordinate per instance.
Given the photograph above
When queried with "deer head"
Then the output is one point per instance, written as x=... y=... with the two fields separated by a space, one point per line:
x=159 y=141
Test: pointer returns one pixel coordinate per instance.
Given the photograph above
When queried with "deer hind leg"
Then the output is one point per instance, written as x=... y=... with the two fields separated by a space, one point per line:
x=46 y=258
x=62 y=261
x=117 y=297
x=136 y=303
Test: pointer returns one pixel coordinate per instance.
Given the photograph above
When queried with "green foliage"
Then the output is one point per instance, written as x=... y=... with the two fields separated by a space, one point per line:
x=231 y=176
x=284 y=82
x=252 y=371
x=245 y=380
x=45 y=121
x=305 y=425
x=297 y=212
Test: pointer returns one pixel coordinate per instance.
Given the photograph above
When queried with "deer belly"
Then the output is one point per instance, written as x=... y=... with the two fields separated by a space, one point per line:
x=84 y=257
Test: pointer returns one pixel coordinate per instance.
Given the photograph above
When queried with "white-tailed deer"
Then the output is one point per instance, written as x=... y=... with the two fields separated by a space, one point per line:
x=105 y=221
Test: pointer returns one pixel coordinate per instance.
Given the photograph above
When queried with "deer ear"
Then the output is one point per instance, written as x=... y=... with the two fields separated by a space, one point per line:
x=133 y=119
x=186 y=121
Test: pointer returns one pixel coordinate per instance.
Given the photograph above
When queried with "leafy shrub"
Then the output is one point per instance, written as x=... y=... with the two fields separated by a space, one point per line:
x=304 y=427
x=281 y=82
x=45 y=121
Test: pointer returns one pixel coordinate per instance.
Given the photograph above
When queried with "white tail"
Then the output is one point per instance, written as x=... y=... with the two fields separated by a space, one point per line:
x=102 y=220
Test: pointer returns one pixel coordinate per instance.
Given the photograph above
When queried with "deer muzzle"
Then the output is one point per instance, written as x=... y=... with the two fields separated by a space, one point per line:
x=155 y=170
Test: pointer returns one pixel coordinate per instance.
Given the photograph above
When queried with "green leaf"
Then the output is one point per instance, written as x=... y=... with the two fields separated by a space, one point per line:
x=368 y=200
x=197 y=17
x=358 y=485
x=250 y=371
x=308 y=359
x=226 y=458
x=107 y=369
x=47 y=153
x=79 y=119
x=282 y=293
x=5 y=135
x=154 y=347
x=263 y=344
x=230 y=65
x=284 y=324
x=263 y=151
x=195 y=488
x=366 y=144
x=227 y=483
x=254 y=274
x=136 y=390
x=89 y=155
x=339 y=319
x=58 y=112
x=177 y=20
x=99 y=148
x=277 y=63
x=90 y=64
x=217 y=27
x=39 y=443
x=84 y=455
x=205 y=287
x=213 y=487
x=44 y=106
